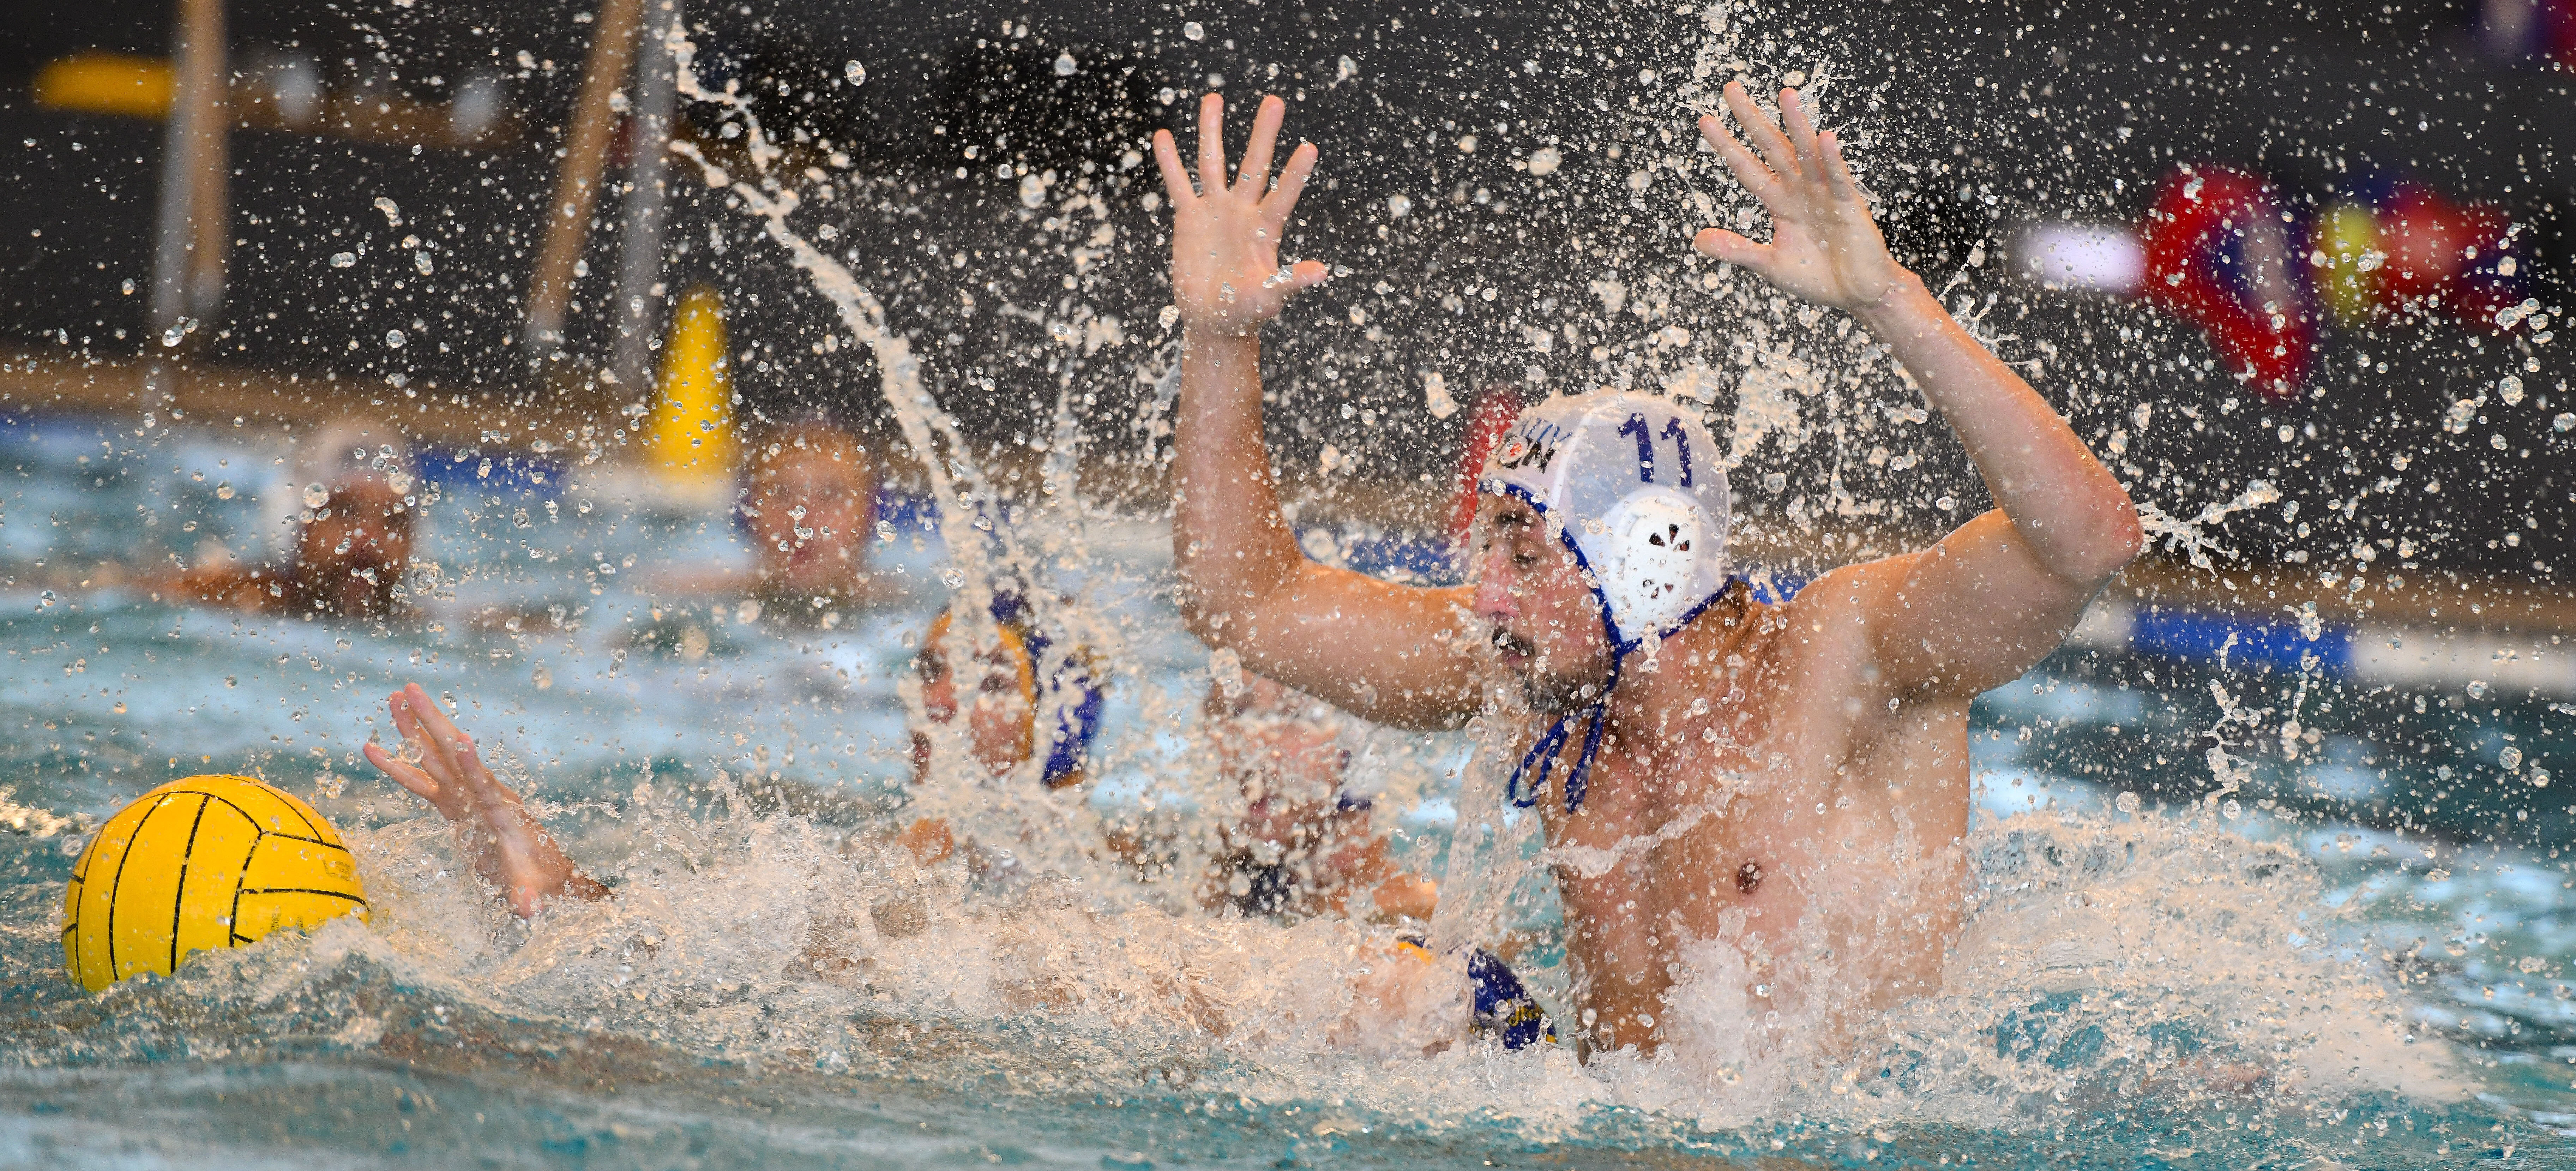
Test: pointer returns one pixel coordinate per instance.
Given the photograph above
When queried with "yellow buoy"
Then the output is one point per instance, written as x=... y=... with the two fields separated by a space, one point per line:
x=107 y=83
x=205 y=862
x=691 y=442
x=2348 y=242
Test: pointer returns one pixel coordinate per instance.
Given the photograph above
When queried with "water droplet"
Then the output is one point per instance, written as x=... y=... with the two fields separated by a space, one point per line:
x=857 y=73
x=1064 y=66
x=2510 y=758
x=1639 y=180
x=173 y=335
x=344 y=259
x=224 y=491
x=1193 y=30
x=392 y=210
x=1172 y=313
x=2509 y=388
x=955 y=579
x=1398 y=204
x=885 y=530
x=2127 y=802
x=1544 y=161
x=394 y=338
x=421 y=261
x=2564 y=422
x=1467 y=144
x=316 y=495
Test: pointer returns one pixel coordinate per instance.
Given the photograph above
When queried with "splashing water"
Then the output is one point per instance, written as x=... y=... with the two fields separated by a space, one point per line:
x=2129 y=975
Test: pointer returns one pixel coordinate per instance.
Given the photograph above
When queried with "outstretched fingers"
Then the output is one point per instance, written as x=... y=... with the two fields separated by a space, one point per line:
x=1747 y=169
x=1292 y=183
x=1211 y=144
x=1176 y=178
x=1802 y=133
x=1253 y=178
x=1763 y=130
x=421 y=784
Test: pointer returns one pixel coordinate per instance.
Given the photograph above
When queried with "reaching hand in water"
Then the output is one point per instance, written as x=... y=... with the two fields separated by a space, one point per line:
x=1824 y=247
x=510 y=850
x=1225 y=237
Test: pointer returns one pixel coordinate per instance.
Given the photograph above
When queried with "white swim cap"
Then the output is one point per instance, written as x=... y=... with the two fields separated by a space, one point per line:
x=1632 y=484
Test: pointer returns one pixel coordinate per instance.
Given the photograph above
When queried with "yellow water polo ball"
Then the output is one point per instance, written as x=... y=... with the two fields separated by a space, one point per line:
x=205 y=862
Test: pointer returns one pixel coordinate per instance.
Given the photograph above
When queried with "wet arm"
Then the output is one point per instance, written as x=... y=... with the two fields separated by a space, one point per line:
x=1997 y=594
x=1391 y=653
x=2001 y=591
x=1375 y=648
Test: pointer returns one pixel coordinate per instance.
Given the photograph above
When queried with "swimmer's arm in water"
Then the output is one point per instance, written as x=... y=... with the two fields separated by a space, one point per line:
x=510 y=850
x=1367 y=645
x=2001 y=591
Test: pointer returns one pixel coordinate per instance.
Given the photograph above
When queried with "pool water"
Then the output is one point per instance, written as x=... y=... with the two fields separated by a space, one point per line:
x=2357 y=958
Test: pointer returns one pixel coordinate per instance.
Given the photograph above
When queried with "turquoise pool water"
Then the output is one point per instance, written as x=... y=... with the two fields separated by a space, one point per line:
x=2337 y=968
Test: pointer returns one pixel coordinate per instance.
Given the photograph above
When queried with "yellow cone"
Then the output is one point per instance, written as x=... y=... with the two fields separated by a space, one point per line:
x=2349 y=239
x=691 y=443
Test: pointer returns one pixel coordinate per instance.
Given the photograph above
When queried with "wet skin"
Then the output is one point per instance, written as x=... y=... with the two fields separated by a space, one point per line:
x=440 y=765
x=810 y=518
x=1785 y=785
x=349 y=559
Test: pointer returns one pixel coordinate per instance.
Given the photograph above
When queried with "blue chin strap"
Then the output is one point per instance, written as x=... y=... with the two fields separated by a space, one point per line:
x=1543 y=753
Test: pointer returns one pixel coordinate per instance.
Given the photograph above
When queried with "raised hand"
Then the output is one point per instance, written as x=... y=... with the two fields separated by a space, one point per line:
x=509 y=849
x=1824 y=246
x=1225 y=236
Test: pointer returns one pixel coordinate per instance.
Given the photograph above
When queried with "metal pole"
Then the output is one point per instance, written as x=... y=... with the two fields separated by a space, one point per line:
x=639 y=242
x=188 y=253
x=585 y=156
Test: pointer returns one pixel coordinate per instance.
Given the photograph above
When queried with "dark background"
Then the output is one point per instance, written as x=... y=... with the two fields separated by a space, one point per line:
x=2023 y=104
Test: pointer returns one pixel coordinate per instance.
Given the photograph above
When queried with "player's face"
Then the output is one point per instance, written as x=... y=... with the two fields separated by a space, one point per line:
x=1543 y=616
x=811 y=518
x=363 y=533
x=997 y=714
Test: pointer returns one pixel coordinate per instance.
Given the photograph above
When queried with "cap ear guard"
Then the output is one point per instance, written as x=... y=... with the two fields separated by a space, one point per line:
x=1653 y=539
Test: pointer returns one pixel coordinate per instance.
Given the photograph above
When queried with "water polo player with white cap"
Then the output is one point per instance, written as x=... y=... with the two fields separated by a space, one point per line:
x=1756 y=835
